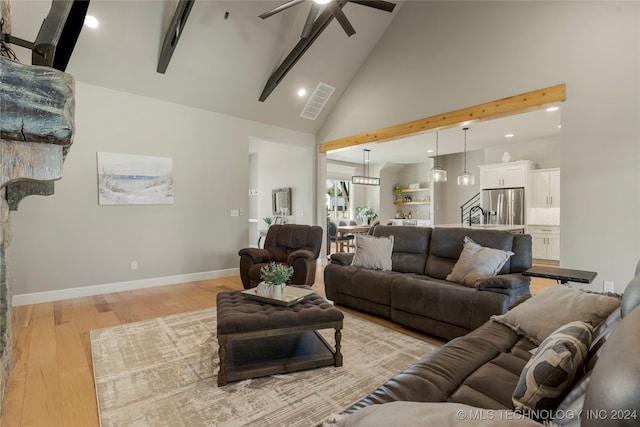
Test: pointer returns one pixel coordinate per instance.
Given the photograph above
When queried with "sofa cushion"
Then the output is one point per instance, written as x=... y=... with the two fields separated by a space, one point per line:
x=362 y=283
x=442 y=375
x=447 y=245
x=410 y=247
x=553 y=367
x=560 y=305
x=418 y=300
x=428 y=414
x=476 y=263
x=373 y=252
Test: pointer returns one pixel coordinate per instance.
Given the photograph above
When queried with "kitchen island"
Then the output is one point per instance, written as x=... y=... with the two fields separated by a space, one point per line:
x=516 y=229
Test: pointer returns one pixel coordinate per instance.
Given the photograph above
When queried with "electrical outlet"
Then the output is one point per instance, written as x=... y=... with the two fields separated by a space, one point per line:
x=608 y=286
x=134 y=265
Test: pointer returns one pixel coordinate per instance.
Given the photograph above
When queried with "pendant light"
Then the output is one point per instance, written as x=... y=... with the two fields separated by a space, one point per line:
x=365 y=179
x=437 y=173
x=465 y=177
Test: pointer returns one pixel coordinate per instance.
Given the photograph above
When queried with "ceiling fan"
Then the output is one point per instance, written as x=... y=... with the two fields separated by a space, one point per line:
x=335 y=7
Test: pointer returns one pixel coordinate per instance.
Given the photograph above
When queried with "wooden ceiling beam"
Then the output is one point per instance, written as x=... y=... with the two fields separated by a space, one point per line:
x=296 y=53
x=517 y=104
x=174 y=32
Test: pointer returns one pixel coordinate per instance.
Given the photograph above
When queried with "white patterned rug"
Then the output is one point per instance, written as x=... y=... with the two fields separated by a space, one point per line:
x=163 y=372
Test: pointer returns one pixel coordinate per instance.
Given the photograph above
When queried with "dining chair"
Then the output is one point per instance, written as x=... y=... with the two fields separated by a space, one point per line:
x=339 y=239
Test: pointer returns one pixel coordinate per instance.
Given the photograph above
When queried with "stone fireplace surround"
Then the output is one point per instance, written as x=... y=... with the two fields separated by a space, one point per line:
x=36 y=131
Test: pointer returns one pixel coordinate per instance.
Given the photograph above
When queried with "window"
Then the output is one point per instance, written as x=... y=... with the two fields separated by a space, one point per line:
x=338 y=199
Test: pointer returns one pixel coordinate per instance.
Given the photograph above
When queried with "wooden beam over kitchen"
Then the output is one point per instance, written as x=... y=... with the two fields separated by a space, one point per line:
x=490 y=110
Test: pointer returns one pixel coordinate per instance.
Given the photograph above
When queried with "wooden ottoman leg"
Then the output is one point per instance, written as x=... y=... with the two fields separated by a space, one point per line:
x=222 y=355
x=337 y=357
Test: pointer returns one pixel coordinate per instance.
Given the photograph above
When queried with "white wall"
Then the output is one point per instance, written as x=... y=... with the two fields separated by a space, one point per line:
x=451 y=195
x=285 y=165
x=68 y=241
x=545 y=153
x=475 y=52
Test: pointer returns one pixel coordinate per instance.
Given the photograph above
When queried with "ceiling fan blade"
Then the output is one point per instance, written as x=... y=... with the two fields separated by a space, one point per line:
x=311 y=17
x=376 y=4
x=280 y=8
x=341 y=18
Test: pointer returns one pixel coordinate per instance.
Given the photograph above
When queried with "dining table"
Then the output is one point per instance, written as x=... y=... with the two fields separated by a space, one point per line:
x=353 y=229
x=348 y=229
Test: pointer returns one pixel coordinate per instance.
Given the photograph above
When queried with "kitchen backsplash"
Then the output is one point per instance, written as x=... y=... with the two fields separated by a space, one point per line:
x=544 y=216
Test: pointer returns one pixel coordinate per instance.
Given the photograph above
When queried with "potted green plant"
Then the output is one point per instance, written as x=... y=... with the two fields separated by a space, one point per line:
x=268 y=220
x=276 y=275
x=366 y=215
x=397 y=191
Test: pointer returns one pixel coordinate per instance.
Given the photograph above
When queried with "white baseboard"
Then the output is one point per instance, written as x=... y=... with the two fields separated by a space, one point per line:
x=85 y=291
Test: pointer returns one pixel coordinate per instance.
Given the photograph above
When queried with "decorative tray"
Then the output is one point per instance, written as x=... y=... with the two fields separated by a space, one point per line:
x=291 y=295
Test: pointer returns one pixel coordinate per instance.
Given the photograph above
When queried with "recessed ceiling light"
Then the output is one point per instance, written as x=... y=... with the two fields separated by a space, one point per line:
x=91 y=22
x=559 y=126
x=429 y=151
x=322 y=1
x=550 y=109
x=509 y=135
x=302 y=92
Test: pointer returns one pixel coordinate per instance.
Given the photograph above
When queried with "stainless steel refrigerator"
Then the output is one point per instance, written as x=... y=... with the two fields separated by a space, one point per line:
x=504 y=206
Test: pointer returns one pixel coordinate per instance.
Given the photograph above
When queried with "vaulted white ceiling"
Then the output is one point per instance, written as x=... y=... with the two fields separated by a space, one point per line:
x=219 y=64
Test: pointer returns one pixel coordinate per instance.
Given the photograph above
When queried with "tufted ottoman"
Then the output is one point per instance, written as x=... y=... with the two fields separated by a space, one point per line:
x=256 y=338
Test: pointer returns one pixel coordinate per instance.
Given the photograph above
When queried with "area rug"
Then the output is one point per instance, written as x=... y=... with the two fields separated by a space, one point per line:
x=163 y=372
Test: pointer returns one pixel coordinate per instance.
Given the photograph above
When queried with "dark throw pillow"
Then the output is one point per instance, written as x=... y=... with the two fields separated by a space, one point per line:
x=551 y=370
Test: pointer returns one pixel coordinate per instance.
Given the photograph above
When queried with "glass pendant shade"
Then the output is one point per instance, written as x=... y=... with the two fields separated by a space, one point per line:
x=365 y=179
x=465 y=177
x=437 y=173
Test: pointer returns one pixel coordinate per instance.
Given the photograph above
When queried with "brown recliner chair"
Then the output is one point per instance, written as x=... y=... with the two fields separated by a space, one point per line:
x=292 y=244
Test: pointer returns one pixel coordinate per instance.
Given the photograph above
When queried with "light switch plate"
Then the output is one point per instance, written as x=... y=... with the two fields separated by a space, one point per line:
x=608 y=286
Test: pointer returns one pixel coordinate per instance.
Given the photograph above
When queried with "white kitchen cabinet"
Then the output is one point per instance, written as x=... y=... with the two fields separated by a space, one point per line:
x=505 y=175
x=546 y=188
x=545 y=241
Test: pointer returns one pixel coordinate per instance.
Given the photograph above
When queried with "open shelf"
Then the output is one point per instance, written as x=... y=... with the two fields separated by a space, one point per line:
x=415 y=190
x=411 y=203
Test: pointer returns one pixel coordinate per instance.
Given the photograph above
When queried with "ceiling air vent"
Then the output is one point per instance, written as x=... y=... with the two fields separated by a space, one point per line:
x=317 y=101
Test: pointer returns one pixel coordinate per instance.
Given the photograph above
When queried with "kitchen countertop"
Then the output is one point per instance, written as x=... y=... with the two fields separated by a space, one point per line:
x=500 y=227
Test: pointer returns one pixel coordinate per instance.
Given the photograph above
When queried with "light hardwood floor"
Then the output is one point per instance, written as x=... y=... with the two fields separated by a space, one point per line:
x=52 y=380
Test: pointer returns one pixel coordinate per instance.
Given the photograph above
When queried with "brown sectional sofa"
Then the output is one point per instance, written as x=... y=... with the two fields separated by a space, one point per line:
x=416 y=294
x=481 y=370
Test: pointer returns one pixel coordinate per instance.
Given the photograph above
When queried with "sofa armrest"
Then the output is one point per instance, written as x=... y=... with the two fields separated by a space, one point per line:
x=342 y=258
x=257 y=255
x=300 y=254
x=504 y=283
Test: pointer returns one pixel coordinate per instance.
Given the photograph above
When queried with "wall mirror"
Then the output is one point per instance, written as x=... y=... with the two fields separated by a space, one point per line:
x=281 y=198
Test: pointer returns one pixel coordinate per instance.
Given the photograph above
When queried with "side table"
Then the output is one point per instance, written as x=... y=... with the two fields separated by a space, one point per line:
x=562 y=275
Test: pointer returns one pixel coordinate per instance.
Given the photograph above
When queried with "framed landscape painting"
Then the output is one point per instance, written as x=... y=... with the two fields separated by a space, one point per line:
x=126 y=179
